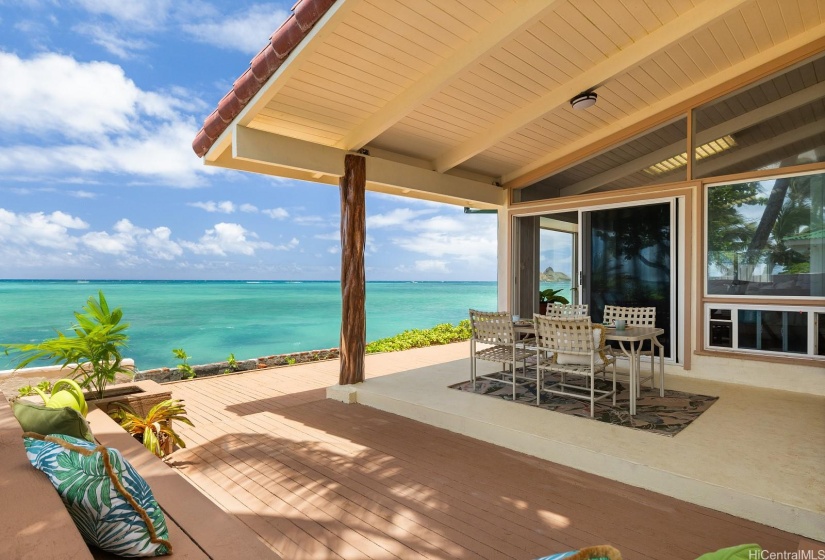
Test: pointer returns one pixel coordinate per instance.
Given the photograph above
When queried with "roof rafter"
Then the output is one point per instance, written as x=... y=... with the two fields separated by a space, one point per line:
x=778 y=107
x=511 y=23
x=801 y=46
x=636 y=53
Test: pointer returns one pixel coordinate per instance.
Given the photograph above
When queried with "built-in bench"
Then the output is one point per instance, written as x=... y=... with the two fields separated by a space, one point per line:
x=34 y=523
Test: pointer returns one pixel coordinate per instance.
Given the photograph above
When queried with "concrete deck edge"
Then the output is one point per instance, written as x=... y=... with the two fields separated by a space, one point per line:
x=786 y=517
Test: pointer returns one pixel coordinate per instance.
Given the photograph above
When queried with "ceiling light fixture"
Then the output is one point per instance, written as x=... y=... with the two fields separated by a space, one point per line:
x=584 y=100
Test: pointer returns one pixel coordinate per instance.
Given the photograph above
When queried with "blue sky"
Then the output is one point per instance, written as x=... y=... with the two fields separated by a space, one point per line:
x=102 y=99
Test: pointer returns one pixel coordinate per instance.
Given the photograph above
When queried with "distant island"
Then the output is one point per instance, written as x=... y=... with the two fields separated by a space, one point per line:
x=550 y=275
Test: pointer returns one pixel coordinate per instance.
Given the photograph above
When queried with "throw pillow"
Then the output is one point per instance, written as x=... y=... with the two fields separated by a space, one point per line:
x=581 y=360
x=41 y=420
x=601 y=552
x=110 y=503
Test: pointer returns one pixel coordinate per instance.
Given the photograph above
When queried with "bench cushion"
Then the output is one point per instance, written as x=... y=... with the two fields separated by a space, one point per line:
x=45 y=421
x=110 y=503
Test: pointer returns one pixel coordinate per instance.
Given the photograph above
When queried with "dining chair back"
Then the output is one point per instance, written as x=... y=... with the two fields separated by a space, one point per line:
x=568 y=310
x=640 y=317
x=496 y=332
x=571 y=346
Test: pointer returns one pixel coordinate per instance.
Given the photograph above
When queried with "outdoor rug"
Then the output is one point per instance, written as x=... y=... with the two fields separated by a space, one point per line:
x=666 y=415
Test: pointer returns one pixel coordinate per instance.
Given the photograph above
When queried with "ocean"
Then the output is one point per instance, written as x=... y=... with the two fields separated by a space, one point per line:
x=211 y=319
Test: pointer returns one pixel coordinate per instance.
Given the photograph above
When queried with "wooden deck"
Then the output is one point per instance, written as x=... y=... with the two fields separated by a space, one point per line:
x=319 y=479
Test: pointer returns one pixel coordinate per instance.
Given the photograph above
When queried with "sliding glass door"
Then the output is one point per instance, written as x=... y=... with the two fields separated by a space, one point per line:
x=627 y=261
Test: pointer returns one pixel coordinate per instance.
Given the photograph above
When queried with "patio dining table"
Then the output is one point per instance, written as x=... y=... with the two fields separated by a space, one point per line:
x=630 y=339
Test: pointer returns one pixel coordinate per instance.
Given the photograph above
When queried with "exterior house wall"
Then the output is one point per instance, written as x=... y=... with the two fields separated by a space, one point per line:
x=774 y=372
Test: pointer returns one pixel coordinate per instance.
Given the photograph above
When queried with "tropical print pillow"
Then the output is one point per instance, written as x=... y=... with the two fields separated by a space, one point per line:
x=110 y=503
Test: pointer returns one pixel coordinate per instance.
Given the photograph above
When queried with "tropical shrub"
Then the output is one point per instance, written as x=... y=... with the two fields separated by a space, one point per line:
x=186 y=370
x=155 y=429
x=93 y=348
x=444 y=333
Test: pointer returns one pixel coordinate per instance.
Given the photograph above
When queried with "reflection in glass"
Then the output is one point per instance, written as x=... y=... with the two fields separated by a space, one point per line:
x=767 y=238
x=773 y=331
x=630 y=261
x=773 y=123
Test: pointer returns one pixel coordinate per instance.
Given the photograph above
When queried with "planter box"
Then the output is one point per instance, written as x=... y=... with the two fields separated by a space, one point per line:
x=140 y=395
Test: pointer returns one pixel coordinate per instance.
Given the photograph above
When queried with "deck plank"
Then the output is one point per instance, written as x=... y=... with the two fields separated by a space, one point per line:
x=320 y=479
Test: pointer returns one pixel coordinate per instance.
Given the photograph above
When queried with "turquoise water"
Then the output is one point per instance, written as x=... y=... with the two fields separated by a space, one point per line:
x=249 y=319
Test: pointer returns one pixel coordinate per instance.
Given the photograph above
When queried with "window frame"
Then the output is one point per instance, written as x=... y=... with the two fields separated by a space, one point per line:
x=715 y=182
x=810 y=311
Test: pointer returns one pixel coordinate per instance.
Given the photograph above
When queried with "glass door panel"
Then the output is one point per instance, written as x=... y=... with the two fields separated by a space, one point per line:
x=627 y=255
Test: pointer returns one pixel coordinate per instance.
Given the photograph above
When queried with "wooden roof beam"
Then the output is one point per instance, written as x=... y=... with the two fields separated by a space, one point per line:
x=758 y=66
x=636 y=53
x=271 y=153
x=513 y=22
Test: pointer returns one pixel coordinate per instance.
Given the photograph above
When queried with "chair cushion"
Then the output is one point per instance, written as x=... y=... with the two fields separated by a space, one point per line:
x=582 y=360
x=110 y=503
x=41 y=420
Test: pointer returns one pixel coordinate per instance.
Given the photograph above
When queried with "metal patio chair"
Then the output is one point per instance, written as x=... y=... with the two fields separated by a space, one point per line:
x=496 y=329
x=640 y=317
x=568 y=310
x=572 y=346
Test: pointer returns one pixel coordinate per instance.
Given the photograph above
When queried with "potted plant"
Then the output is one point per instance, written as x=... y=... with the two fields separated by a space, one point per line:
x=549 y=297
x=155 y=429
x=93 y=349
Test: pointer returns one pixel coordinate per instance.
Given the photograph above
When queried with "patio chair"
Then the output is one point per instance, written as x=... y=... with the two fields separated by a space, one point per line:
x=568 y=310
x=572 y=346
x=496 y=329
x=640 y=317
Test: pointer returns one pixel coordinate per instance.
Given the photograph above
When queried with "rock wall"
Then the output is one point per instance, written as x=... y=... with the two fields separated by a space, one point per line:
x=162 y=375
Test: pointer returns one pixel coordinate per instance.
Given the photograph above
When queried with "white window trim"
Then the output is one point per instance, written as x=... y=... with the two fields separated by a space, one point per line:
x=734 y=308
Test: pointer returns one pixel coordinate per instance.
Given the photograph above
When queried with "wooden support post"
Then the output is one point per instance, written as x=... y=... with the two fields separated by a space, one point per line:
x=353 y=280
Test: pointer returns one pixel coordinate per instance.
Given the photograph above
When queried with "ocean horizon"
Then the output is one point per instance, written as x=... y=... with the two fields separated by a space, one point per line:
x=210 y=319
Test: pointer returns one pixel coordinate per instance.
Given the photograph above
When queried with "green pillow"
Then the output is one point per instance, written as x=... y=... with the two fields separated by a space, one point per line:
x=740 y=552
x=45 y=421
x=110 y=503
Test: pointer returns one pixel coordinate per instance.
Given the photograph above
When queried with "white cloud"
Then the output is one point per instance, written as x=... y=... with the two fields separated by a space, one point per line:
x=67 y=221
x=224 y=207
x=471 y=240
x=432 y=266
x=103 y=242
x=147 y=13
x=49 y=231
x=96 y=121
x=331 y=236
x=276 y=213
x=227 y=238
x=291 y=244
x=113 y=41
x=310 y=220
x=159 y=245
x=394 y=218
x=249 y=208
x=53 y=93
x=81 y=194
x=243 y=31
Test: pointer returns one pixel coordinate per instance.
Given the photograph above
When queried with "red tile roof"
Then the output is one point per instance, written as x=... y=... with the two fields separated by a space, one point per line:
x=305 y=14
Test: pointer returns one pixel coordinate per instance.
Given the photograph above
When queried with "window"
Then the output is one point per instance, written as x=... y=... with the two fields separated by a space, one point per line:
x=765 y=329
x=773 y=123
x=655 y=157
x=767 y=238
